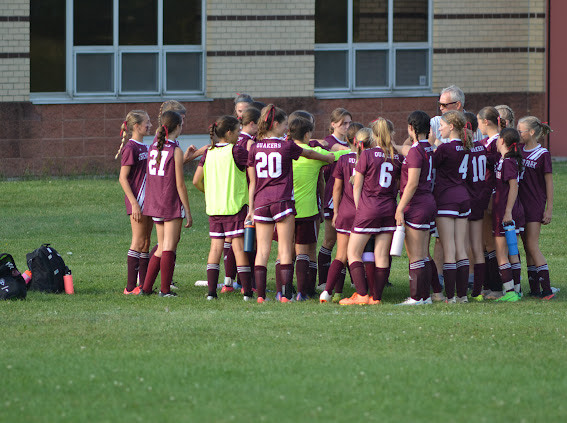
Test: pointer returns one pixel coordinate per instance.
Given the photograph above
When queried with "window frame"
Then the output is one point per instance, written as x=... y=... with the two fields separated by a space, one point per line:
x=392 y=89
x=118 y=94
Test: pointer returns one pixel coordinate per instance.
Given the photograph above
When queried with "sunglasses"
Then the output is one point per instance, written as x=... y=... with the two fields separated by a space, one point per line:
x=444 y=105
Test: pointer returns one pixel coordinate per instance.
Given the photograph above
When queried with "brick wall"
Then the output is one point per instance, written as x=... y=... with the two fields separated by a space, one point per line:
x=14 y=50
x=69 y=139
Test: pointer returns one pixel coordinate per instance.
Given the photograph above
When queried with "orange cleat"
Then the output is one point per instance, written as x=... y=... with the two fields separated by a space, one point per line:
x=355 y=299
x=372 y=301
x=135 y=291
x=260 y=300
x=226 y=289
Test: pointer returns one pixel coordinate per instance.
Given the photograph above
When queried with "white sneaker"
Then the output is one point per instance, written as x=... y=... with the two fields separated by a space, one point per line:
x=438 y=297
x=410 y=301
x=555 y=290
x=325 y=297
x=320 y=287
x=201 y=283
x=452 y=300
x=428 y=300
x=210 y=298
x=245 y=298
x=462 y=300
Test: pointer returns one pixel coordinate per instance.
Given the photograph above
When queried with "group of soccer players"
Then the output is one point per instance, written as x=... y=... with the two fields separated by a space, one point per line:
x=462 y=178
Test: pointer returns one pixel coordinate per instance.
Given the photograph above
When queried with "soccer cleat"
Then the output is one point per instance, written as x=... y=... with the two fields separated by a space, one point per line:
x=355 y=300
x=260 y=300
x=548 y=297
x=212 y=296
x=172 y=285
x=428 y=300
x=228 y=281
x=135 y=291
x=555 y=290
x=493 y=295
x=247 y=298
x=478 y=298
x=510 y=296
x=226 y=289
x=301 y=297
x=320 y=287
x=451 y=300
x=325 y=297
x=167 y=294
x=281 y=298
x=236 y=286
x=409 y=301
x=438 y=297
x=372 y=301
x=337 y=297
x=462 y=300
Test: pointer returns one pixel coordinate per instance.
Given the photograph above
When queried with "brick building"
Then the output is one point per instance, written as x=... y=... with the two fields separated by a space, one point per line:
x=70 y=70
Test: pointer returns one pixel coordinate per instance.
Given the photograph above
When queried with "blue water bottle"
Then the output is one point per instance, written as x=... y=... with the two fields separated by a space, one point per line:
x=511 y=239
x=249 y=236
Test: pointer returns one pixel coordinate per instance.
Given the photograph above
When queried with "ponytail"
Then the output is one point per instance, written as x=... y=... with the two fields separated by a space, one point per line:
x=268 y=116
x=363 y=140
x=132 y=118
x=221 y=126
x=459 y=122
x=541 y=129
x=382 y=133
x=124 y=135
x=511 y=139
x=171 y=120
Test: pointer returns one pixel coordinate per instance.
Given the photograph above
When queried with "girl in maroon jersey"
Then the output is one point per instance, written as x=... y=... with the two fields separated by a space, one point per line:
x=166 y=200
x=249 y=121
x=375 y=190
x=231 y=162
x=241 y=103
x=344 y=210
x=271 y=194
x=453 y=202
x=416 y=209
x=536 y=195
x=133 y=181
x=480 y=195
x=340 y=122
x=506 y=208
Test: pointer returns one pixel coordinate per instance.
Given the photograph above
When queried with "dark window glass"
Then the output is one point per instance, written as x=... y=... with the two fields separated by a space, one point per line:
x=95 y=73
x=371 y=68
x=182 y=22
x=47 y=46
x=410 y=21
x=137 y=22
x=331 y=69
x=183 y=71
x=412 y=68
x=331 y=21
x=140 y=72
x=92 y=22
x=370 y=21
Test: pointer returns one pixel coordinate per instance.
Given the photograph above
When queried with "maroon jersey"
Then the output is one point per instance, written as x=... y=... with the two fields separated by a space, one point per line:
x=239 y=154
x=478 y=189
x=533 y=194
x=328 y=171
x=135 y=155
x=506 y=169
x=271 y=159
x=420 y=157
x=492 y=158
x=451 y=171
x=243 y=139
x=162 y=198
x=380 y=186
x=343 y=172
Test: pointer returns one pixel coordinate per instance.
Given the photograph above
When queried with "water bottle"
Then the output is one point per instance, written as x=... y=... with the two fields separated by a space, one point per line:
x=511 y=239
x=249 y=236
x=68 y=282
x=398 y=241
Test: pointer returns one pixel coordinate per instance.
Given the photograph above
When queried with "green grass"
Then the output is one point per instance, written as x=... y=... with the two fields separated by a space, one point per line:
x=99 y=356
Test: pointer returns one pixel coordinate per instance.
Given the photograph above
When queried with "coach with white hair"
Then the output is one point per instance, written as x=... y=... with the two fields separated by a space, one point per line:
x=451 y=98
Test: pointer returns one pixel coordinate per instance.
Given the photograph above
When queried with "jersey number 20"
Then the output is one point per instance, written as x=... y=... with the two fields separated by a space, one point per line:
x=268 y=165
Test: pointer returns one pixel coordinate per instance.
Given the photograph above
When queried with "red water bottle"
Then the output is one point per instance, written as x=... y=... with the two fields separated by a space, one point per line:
x=68 y=282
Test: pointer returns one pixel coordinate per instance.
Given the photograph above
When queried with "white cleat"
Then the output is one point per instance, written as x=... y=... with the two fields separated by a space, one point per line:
x=325 y=297
x=411 y=302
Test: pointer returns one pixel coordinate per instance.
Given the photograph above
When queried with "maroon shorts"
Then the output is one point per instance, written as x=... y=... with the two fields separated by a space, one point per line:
x=534 y=214
x=228 y=226
x=305 y=230
x=376 y=225
x=420 y=212
x=274 y=212
x=498 y=227
x=460 y=210
x=344 y=222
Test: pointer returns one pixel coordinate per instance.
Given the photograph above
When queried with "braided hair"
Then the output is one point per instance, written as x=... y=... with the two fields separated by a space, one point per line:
x=132 y=118
x=170 y=121
x=221 y=126
x=459 y=122
x=511 y=139
x=420 y=122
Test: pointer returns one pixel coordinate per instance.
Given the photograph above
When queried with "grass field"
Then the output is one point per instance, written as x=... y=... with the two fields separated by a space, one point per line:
x=99 y=356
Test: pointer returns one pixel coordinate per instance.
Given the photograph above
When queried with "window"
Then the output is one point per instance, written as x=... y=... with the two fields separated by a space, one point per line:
x=117 y=48
x=372 y=46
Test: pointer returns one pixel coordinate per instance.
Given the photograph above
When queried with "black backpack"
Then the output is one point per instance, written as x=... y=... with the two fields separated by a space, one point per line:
x=47 y=268
x=12 y=285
